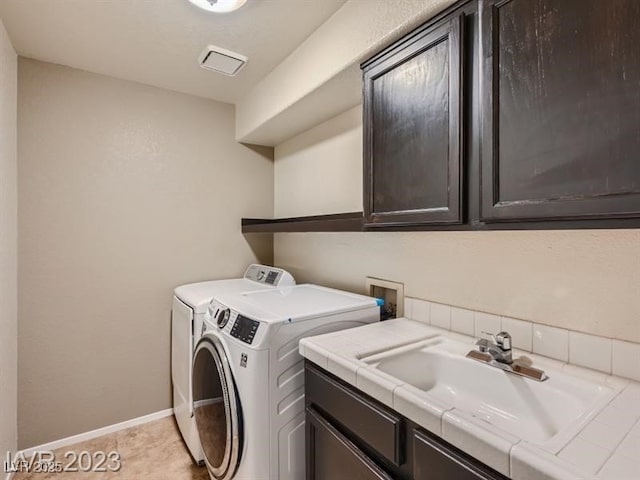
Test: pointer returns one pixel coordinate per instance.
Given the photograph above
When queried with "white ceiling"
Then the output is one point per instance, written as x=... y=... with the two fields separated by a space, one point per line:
x=157 y=42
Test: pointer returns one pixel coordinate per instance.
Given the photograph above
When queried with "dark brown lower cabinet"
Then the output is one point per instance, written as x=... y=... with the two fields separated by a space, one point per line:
x=334 y=456
x=352 y=436
x=435 y=460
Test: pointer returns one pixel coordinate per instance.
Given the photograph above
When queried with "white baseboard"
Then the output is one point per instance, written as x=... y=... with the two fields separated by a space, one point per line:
x=81 y=437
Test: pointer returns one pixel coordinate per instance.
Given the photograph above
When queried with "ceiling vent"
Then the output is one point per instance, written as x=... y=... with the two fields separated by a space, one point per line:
x=221 y=60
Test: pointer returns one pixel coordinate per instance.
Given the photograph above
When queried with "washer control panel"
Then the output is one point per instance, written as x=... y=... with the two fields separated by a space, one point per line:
x=244 y=329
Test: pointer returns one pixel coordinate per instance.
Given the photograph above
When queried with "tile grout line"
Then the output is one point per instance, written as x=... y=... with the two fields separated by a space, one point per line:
x=611 y=358
x=612 y=452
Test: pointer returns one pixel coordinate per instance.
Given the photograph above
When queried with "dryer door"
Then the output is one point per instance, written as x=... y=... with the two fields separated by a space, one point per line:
x=217 y=408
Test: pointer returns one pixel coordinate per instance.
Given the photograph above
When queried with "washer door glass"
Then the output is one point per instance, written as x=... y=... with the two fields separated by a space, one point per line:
x=216 y=407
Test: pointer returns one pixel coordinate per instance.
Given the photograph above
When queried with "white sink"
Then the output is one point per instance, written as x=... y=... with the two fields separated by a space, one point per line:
x=544 y=413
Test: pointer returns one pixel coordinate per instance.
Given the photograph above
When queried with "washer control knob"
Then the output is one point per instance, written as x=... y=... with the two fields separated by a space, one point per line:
x=261 y=275
x=223 y=317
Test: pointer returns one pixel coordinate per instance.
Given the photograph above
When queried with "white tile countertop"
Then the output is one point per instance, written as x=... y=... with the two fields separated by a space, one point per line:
x=606 y=446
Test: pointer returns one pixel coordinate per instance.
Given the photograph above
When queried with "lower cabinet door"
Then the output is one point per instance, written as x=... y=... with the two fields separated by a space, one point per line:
x=434 y=460
x=331 y=456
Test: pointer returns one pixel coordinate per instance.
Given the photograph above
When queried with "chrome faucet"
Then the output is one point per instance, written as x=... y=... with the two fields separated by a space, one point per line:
x=500 y=349
x=498 y=354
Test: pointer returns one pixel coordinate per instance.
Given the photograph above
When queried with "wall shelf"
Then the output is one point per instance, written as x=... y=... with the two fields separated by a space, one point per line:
x=339 y=222
x=355 y=222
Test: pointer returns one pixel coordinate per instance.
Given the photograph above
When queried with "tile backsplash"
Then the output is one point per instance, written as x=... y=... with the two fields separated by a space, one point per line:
x=551 y=342
x=615 y=357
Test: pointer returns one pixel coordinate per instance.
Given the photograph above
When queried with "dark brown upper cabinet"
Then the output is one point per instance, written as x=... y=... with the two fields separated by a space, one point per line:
x=560 y=109
x=501 y=115
x=412 y=129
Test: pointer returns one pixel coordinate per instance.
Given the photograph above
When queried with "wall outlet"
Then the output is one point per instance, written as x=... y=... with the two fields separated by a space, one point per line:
x=391 y=292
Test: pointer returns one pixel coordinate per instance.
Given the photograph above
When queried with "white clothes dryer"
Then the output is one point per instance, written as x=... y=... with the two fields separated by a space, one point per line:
x=187 y=318
x=248 y=377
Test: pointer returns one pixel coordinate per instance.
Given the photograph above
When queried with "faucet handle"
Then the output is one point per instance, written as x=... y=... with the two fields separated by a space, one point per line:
x=482 y=344
x=493 y=337
x=502 y=339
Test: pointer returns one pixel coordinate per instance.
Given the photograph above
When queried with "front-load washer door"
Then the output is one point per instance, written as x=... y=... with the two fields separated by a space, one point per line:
x=217 y=408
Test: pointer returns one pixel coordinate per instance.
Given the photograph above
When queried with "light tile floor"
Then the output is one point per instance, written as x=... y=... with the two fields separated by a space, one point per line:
x=153 y=451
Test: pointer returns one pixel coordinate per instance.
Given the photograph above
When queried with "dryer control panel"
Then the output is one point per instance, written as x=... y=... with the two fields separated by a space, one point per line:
x=244 y=329
x=276 y=277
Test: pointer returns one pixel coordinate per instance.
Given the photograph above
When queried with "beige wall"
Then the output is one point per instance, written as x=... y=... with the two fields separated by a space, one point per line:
x=315 y=172
x=8 y=247
x=587 y=280
x=125 y=191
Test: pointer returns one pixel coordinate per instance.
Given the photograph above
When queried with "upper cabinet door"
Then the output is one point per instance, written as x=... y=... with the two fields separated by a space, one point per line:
x=560 y=86
x=412 y=130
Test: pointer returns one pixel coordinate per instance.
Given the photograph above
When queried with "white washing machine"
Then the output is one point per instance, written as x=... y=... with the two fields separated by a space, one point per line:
x=189 y=306
x=248 y=377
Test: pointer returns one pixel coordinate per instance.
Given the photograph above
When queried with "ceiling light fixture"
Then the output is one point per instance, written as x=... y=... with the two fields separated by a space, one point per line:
x=219 y=6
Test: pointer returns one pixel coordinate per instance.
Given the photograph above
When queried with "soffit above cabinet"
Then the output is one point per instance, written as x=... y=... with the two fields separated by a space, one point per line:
x=322 y=78
x=158 y=42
